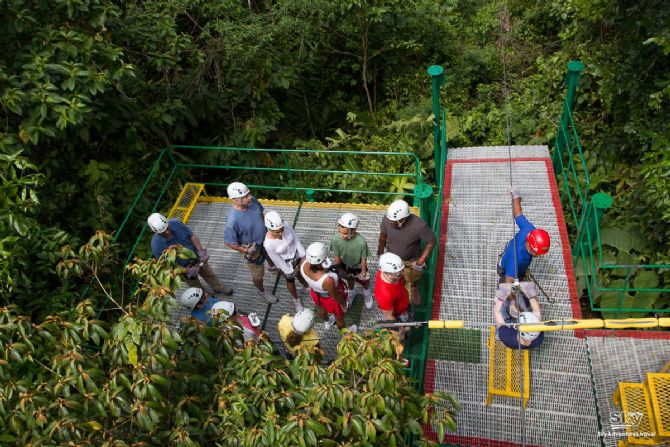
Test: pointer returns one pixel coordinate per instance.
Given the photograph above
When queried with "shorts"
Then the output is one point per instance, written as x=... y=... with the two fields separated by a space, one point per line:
x=352 y=273
x=257 y=270
x=328 y=303
x=295 y=262
x=411 y=276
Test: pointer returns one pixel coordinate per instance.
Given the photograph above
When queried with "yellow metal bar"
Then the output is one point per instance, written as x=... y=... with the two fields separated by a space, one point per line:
x=546 y=326
x=664 y=322
x=186 y=201
x=659 y=394
x=345 y=206
x=666 y=368
x=632 y=323
x=446 y=324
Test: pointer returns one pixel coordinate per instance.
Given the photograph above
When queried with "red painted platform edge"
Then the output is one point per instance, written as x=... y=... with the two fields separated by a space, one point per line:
x=467 y=441
x=645 y=335
x=565 y=242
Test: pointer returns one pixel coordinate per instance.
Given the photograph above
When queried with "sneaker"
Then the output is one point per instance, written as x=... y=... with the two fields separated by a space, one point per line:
x=331 y=321
x=353 y=328
x=298 y=305
x=367 y=299
x=225 y=289
x=270 y=298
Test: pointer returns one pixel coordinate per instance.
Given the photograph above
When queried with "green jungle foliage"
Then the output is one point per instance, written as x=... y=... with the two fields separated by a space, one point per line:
x=92 y=90
x=73 y=379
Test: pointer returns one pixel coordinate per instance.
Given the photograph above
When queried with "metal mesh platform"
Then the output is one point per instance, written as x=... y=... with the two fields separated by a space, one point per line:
x=562 y=409
x=316 y=222
x=615 y=360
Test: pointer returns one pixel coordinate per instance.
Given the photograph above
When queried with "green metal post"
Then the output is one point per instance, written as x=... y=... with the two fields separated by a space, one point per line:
x=423 y=198
x=310 y=195
x=437 y=74
x=592 y=215
x=572 y=80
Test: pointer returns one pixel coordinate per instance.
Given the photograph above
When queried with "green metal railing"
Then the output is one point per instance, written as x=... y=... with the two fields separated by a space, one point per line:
x=615 y=288
x=293 y=180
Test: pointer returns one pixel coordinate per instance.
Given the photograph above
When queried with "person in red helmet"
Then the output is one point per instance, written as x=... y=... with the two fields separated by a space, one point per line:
x=529 y=242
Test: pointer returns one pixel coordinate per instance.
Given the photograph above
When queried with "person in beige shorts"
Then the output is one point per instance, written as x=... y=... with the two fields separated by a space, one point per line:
x=245 y=232
x=402 y=233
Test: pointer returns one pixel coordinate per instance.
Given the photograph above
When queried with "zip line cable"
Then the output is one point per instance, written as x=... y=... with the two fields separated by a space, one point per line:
x=505 y=27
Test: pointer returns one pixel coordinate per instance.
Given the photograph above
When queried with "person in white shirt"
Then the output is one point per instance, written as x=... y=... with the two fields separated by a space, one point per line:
x=285 y=251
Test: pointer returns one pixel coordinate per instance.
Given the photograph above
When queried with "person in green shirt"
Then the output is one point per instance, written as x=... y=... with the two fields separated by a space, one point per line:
x=351 y=254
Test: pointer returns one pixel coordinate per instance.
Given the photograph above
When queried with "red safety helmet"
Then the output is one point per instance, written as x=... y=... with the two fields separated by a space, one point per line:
x=538 y=242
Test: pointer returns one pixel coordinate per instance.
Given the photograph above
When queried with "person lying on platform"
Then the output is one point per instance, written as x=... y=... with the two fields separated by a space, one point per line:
x=351 y=255
x=527 y=243
x=517 y=304
x=174 y=232
x=199 y=302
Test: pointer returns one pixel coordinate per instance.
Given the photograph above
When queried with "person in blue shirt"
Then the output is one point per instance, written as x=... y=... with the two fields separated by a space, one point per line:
x=199 y=303
x=245 y=232
x=528 y=242
x=517 y=304
x=174 y=232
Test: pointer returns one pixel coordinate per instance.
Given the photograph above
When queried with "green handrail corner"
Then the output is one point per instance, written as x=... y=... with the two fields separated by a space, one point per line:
x=574 y=183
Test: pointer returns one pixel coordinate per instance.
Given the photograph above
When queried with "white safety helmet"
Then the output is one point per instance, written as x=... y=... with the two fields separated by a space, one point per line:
x=397 y=210
x=302 y=321
x=237 y=190
x=349 y=220
x=190 y=297
x=391 y=263
x=273 y=221
x=225 y=307
x=157 y=222
x=529 y=318
x=317 y=253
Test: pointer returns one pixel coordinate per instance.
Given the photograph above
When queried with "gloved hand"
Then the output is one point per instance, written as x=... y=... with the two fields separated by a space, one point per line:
x=419 y=267
x=251 y=250
x=362 y=277
x=503 y=291
x=528 y=289
x=203 y=255
x=192 y=272
x=515 y=192
x=291 y=275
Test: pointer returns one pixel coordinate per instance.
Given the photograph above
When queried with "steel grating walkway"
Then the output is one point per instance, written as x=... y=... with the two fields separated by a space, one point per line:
x=316 y=223
x=477 y=223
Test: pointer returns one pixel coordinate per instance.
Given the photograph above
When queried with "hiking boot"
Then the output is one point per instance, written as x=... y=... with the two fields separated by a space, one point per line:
x=225 y=289
x=270 y=298
x=331 y=321
x=367 y=296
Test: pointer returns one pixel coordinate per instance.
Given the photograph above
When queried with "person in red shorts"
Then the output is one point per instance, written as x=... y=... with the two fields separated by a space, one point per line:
x=327 y=291
x=390 y=291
